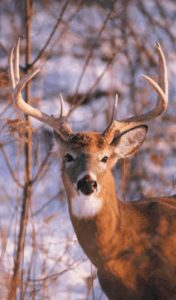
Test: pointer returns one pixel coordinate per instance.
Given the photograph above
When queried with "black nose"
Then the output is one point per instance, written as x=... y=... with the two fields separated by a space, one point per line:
x=87 y=185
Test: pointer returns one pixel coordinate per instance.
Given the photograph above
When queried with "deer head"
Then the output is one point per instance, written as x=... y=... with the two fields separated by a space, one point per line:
x=88 y=157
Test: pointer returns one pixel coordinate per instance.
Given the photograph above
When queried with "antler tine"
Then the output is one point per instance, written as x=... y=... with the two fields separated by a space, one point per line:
x=115 y=106
x=163 y=70
x=17 y=62
x=61 y=105
x=162 y=87
x=11 y=69
x=162 y=91
x=58 y=124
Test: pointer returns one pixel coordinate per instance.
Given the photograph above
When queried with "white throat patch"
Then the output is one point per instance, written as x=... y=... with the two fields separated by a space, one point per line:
x=83 y=206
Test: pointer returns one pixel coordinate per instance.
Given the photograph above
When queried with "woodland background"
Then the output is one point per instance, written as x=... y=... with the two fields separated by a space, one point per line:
x=88 y=51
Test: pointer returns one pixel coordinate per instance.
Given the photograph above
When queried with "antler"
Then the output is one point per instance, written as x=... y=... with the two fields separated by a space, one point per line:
x=58 y=124
x=162 y=91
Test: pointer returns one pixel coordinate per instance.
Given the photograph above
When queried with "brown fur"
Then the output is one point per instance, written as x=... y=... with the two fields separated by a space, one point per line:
x=132 y=245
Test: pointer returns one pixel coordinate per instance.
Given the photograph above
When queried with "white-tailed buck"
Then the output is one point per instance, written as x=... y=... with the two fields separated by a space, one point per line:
x=132 y=245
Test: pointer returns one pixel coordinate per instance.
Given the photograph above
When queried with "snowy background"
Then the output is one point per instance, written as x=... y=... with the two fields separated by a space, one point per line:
x=98 y=48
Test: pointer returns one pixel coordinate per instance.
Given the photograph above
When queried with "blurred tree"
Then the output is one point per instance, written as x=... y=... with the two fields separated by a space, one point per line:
x=88 y=50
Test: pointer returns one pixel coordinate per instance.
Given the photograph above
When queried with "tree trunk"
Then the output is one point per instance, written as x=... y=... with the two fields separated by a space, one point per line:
x=17 y=277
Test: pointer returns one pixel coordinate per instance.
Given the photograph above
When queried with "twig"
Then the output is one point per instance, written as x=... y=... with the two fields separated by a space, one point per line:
x=94 y=84
x=41 y=53
x=9 y=167
x=91 y=52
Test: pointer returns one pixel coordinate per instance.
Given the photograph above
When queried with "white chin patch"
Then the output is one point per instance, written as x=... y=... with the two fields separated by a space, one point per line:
x=85 y=206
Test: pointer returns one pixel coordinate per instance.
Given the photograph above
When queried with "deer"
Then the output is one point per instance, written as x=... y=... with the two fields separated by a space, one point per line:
x=132 y=244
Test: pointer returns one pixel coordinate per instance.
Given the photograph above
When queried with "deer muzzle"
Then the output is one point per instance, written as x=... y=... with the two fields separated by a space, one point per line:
x=87 y=185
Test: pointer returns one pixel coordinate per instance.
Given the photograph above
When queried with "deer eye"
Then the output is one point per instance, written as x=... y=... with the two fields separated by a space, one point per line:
x=68 y=158
x=104 y=159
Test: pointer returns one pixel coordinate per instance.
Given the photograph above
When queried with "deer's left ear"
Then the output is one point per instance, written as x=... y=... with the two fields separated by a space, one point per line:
x=129 y=142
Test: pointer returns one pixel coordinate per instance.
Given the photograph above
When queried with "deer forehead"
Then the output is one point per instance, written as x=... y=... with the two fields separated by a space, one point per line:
x=90 y=143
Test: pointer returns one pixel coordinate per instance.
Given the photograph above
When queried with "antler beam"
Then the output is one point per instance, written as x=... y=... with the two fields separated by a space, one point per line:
x=161 y=89
x=58 y=124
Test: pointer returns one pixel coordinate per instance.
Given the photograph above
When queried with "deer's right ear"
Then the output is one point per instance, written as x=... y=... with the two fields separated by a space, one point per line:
x=129 y=142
